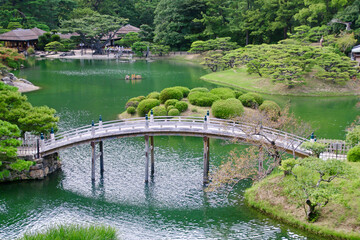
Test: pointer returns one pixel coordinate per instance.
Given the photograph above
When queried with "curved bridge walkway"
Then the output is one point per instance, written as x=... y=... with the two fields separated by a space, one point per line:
x=158 y=126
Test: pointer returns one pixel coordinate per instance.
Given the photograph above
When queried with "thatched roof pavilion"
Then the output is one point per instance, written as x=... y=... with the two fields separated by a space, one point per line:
x=21 y=38
x=122 y=32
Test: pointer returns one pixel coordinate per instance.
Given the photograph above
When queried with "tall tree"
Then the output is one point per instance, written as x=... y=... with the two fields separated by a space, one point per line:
x=95 y=30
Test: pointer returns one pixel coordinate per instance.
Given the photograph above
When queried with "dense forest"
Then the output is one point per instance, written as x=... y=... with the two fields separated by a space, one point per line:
x=178 y=23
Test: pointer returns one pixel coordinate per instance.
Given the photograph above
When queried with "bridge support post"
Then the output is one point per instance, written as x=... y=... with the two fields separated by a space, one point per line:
x=101 y=149
x=206 y=160
x=146 y=158
x=93 y=161
x=152 y=157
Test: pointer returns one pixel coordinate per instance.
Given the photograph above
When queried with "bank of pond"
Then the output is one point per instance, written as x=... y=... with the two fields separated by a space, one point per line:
x=222 y=103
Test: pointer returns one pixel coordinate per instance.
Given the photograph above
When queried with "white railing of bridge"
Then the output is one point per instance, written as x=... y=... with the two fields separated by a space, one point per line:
x=181 y=124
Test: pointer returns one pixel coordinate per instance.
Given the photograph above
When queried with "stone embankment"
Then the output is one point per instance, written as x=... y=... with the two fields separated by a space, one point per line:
x=43 y=167
x=23 y=85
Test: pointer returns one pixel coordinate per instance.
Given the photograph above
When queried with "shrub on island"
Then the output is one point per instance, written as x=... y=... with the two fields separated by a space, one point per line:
x=170 y=93
x=158 y=111
x=181 y=106
x=153 y=95
x=170 y=102
x=146 y=105
x=134 y=102
x=270 y=107
x=238 y=93
x=174 y=112
x=202 y=99
x=354 y=154
x=223 y=93
x=199 y=89
x=131 y=110
x=170 y=107
x=251 y=99
x=227 y=108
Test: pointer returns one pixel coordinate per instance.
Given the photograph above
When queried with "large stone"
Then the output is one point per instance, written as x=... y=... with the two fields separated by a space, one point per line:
x=11 y=76
x=37 y=174
x=6 y=79
x=25 y=81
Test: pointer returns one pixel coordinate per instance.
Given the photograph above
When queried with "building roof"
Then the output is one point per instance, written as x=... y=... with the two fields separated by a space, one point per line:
x=67 y=35
x=356 y=49
x=128 y=28
x=22 y=34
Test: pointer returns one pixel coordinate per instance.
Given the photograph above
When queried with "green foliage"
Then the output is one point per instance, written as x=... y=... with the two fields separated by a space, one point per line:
x=146 y=105
x=202 y=99
x=39 y=120
x=228 y=108
x=171 y=102
x=139 y=48
x=129 y=39
x=43 y=40
x=223 y=44
x=270 y=107
x=223 y=93
x=185 y=91
x=315 y=147
x=158 y=111
x=8 y=140
x=170 y=107
x=353 y=136
x=170 y=93
x=174 y=112
x=199 y=89
x=346 y=42
x=54 y=46
x=30 y=51
x=154 y=95
x=354 y=154
x=238 y=93
x=131 y=110
x=11 y=58
x=75 y=232
x=43 y=27
x=4 y=173
x=134 y=102
x=287 y=165
x=181 y=106
x=160 y=50
x=214 y=60
x=14 y=25
x=251 y=99
x=21 y=165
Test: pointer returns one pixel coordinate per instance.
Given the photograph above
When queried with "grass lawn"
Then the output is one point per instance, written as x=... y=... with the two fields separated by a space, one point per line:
x=339 y=219
x=239 y=78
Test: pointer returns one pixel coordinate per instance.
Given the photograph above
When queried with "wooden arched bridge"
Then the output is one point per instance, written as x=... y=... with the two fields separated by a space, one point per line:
x=159 y=126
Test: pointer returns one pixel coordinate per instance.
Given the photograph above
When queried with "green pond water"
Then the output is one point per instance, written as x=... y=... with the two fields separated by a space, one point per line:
x=173 y=205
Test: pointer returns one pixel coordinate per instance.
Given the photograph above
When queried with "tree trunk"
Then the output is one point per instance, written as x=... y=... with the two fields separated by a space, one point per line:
x=311 y=211
x=247 y=37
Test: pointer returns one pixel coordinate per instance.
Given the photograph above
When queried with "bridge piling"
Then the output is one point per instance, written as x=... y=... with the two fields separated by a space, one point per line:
x=146 y=158
x=101 y=149
x=206 y=160
x=152 y=171
x=93 y=161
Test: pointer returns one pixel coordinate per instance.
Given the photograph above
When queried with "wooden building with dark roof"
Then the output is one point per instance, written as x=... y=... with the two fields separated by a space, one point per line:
x=21 y=38
x=122 y=32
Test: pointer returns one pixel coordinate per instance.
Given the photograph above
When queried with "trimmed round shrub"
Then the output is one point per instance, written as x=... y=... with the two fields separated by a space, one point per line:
x=153 y=95
x=181 y=106
x=171 y=102
x=158 y=111
x=223 y=93
x=134 y=102
x=270 y=107
x=238 y=93
x=353 y=136
x=199 y=89
x=252 y=100
x=353 y=154
x=170 y=107
x=30 y=51
x=174 y=112
x=202 y=99
x=170 y=93
x=228 y=108
x=131 y=110
x=185 y=91
x=145 y=106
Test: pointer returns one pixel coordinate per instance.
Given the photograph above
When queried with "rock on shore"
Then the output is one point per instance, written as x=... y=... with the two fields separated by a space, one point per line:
x=23 y=85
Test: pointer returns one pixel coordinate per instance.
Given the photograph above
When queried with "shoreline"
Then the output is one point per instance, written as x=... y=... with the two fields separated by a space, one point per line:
x=24 y=87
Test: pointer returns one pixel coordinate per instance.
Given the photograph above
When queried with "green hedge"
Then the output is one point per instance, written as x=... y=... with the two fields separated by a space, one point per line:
x=238 y=93
x=228 y=108
x=170 y=93
x=170 y=107
x=181 y=106
x=145 y=106
x=158 y=111
x=251 y=99
x=171 y=102
x=154 y=95
x=223 y=93
x=21 y=165
x=270 y=107
x=199 y=89
x=131 y=110
x=203 y=99
x=134 y=102
x=185 y=91
x=174 y=112
x=354 y=154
